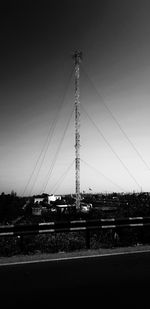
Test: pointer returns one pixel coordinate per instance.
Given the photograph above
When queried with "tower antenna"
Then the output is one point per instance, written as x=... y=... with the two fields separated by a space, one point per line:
x=77 y=56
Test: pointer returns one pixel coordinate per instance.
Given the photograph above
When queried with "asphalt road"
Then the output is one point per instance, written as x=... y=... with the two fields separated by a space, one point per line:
x=117 y=280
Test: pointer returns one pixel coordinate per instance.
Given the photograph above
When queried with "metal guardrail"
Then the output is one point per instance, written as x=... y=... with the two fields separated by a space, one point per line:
x=72 y=226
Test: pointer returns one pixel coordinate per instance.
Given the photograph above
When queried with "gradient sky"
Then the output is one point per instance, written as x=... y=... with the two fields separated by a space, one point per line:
x=37 y=95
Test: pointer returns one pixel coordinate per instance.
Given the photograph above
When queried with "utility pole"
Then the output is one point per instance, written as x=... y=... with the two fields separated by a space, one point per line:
x=77 y=56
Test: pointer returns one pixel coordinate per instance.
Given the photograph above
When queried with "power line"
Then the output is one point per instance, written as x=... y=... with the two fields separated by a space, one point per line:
x=61 y=179
x=117 y=122
x=97 y=171
x=108 y=144
x=44 y=153
x=48 y=139
x=57 y=152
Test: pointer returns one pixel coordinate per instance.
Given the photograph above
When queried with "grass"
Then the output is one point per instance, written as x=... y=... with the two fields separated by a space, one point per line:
x=61 y=255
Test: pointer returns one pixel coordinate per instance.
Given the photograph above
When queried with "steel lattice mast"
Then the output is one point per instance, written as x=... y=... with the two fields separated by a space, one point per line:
x=77 y=56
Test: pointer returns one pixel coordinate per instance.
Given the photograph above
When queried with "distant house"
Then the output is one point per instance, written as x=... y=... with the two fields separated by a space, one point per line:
x=38 y=206
x=38 y=200
x=53 y=198
x=47 y=198
x=36 y=210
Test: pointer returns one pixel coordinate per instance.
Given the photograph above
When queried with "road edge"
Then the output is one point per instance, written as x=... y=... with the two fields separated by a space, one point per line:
x=46 y=257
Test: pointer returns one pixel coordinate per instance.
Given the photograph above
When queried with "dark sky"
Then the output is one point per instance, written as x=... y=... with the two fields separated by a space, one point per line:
x=37 y=41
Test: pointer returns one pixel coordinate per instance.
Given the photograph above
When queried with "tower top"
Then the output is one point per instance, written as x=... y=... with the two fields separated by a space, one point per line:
x=77 y=56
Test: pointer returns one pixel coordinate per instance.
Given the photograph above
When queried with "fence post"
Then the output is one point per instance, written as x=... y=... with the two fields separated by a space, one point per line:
x=20 y=243
x=87 y=239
